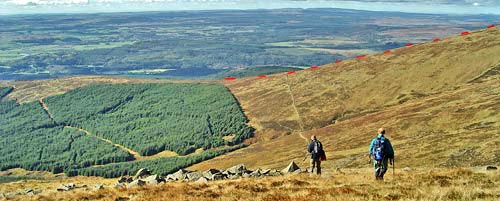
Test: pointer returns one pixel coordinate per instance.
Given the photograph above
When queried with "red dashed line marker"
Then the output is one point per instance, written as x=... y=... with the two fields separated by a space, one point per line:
x=229 y=78
x=408 y=45
x=387 y=52
x=314 y=67
x=464 y=33
x=436 y=40
x=491 y=26
x=361 y=56
x=290 y=72
x=338 y=61
x=261 y=76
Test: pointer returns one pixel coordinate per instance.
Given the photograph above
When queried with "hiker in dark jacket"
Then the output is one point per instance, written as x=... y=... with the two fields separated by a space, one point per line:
x=315 y=148
x=381 y=152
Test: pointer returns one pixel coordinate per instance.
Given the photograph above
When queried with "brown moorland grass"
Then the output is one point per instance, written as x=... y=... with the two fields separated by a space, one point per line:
x=439 y=101
x=344 y=184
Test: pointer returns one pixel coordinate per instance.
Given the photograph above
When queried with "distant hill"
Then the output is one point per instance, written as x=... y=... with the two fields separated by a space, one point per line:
x=438 y=100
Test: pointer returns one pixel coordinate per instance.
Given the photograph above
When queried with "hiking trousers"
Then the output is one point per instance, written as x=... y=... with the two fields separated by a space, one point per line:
x=380 y=167
x=315 y=164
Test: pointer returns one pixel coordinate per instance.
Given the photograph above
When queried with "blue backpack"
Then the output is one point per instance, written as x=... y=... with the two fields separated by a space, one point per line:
x=379 y=149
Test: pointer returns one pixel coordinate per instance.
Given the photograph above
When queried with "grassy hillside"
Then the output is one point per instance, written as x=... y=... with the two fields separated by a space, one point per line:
x=346 y=184
x=439 y=102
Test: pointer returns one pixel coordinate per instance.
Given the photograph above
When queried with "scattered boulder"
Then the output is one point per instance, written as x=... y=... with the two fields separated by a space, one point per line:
x=193 y=176
x=274 y=173
x=142 y=173
x=177 y=176
x=209 y=174
x=219 y=176
x=71 y=186
x=491 y=167
x=407 y=169
x=125 y=180
x=28 y=191
x=246 y=175
x=98 y=187
x=202 y=180
x=292 y=167
x=11 y=195
x=154 y=179
x=62 y=188
x=237 y=169
x=136 y=183
x=120 y=185
x=265 y=172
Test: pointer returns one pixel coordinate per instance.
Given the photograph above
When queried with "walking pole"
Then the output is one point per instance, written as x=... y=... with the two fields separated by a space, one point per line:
x=393 y=164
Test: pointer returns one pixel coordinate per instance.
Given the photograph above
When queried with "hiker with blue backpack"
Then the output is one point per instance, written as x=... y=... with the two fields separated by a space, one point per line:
x=382 y=153
x=315 y=148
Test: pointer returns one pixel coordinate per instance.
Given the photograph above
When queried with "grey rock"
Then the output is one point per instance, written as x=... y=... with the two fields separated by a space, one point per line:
x=11 y=195
x=142 y=173
x=28 y=191
x=62 y=188
x=407 y=169
x=71 y=186
x=136 y=183
x=98 y=187
x=491 y=167
x=177 y=176
x=232 y=176
x=291 y=168
x=219 y=176
x=237 y=169
x=125 y=180
x=202 y=180
x=120 y=185
x=154 y=179
x=209 y=174
x=265 y=172
x=193 y=176
x=256 y=173
x=246 y=175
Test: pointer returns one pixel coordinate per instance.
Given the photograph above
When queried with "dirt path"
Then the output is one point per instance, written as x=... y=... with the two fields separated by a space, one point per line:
x=136 y=155
x=301 y=124
x=46 y=108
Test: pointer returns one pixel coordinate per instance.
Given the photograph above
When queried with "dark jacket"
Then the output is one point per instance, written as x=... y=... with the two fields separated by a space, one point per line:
x=310 y=149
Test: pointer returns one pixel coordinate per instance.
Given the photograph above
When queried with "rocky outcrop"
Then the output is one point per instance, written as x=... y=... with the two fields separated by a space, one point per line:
x=235 y=172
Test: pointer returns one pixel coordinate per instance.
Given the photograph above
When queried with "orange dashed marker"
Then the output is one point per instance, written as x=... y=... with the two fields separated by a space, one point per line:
x=436 y=40
x=361 y=56
x=290 y=72
x=387 y=52
x=314 y=67
x=229 y=78
x=261 y=76
x=491 y=26
x=408 y=45
x=465 y=33
x=338 y=61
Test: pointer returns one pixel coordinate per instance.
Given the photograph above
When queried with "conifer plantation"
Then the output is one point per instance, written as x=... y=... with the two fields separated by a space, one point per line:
x=67 y=136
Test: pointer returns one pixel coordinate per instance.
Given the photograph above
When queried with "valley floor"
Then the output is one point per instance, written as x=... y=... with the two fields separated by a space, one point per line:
x=342 y=184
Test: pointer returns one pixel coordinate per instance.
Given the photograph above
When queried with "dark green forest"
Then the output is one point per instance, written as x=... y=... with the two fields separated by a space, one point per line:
x=147 y=118
x=150 y=118
x=30 y=140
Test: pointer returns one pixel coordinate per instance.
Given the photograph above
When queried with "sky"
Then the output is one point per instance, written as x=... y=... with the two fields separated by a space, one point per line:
x=8 y=7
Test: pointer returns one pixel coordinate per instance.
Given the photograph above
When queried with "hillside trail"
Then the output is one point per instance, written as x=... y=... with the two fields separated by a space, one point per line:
x=301 y=123
x=136 y=155
x=46 y=108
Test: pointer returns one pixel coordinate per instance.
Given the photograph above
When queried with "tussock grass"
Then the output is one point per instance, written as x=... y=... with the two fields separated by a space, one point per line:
x=353 y=184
